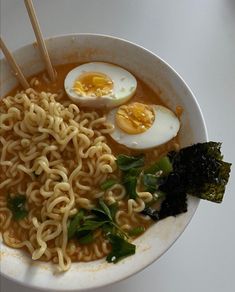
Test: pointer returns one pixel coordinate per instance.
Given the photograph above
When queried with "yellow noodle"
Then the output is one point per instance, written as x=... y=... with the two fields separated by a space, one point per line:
x=57 y=155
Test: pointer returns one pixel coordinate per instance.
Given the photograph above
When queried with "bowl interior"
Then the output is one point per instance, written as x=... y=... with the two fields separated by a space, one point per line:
x=172 y=89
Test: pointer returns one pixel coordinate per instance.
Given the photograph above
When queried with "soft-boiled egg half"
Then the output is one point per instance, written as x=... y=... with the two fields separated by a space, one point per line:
x=141 y=126
x=100 y=84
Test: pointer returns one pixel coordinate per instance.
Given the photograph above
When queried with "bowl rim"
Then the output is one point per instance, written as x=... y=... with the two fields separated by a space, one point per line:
x=205 y=134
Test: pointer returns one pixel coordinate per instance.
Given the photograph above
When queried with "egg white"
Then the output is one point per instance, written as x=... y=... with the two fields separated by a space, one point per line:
x=124 y=85
x=165 y=127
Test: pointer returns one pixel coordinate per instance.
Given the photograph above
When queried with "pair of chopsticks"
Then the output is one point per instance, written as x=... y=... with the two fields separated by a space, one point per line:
x=41 y=44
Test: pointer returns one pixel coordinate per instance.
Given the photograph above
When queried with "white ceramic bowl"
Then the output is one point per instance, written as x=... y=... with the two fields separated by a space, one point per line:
x=15 y=264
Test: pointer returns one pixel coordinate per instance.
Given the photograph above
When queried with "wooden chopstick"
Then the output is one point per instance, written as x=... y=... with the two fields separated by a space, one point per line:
x=40 y=40
x=14 y=66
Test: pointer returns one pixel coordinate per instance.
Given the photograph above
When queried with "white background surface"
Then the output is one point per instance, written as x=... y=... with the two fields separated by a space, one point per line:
x=198 y=39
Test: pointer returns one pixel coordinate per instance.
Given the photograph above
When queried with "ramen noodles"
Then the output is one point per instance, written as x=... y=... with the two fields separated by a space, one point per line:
x=63 y=194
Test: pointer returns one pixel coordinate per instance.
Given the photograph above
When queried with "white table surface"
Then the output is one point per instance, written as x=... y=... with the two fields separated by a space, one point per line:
x=198 y=39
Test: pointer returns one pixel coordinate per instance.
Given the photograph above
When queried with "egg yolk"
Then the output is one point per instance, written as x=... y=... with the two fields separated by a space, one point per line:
x=93 y=84
x=134 y=118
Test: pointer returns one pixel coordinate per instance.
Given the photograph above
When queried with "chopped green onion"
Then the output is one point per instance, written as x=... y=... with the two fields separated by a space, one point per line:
x=108 y=184
x=75 y=223
x=125 y=162
x=136 y=231
x=163 y=165
x=130 y=182
x=17 y=206
x=86 y=239
x=150 y=182
x=120 y=249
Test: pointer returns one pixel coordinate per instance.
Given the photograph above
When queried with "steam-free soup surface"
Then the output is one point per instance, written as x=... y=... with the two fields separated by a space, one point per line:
x=55 y=156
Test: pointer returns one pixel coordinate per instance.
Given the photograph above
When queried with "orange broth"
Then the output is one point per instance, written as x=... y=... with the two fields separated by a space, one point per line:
x=143 y=94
